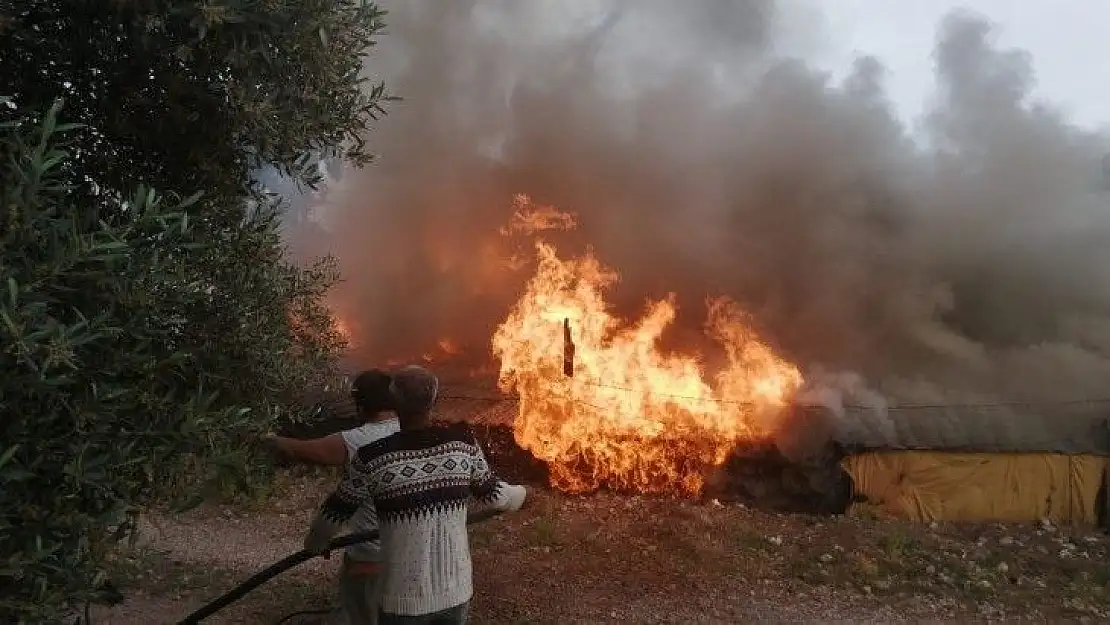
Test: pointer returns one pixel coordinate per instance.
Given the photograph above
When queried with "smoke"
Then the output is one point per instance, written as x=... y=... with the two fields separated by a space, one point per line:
x=700 y=158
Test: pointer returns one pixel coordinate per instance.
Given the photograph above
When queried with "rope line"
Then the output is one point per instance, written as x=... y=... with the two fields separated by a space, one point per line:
x=464 y=395
x=465 y=386
x=463 y=390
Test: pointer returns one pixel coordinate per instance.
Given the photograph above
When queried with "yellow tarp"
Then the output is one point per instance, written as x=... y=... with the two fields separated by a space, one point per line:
x=945 y=486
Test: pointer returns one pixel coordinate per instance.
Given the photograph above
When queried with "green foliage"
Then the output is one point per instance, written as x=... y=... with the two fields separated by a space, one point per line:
x=147 y=338
x=92 y=392
x=195 y=95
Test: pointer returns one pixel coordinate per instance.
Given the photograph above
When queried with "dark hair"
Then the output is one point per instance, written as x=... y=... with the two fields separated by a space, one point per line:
x=370 y=391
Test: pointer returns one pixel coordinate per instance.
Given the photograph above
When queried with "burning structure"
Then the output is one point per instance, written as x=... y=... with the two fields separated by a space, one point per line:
x=849 y=272
x=592 y=401
x=617 y=410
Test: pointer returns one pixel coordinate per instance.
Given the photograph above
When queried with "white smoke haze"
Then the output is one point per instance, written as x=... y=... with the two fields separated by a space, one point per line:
x=700 y=158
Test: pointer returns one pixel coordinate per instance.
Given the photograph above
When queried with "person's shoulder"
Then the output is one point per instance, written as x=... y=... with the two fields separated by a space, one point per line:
x=457 y=433
x=437 y=437
x=380 y=447
x=370 y=432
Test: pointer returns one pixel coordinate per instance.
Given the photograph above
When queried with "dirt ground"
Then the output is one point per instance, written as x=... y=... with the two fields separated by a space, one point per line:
x=618 y=559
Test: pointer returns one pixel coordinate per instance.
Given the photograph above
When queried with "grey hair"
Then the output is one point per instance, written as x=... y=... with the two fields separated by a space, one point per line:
x=414 y=389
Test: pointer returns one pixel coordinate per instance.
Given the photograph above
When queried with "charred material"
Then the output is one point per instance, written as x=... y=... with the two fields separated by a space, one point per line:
x=512 y=462
x=768 y=474
x=757 y=474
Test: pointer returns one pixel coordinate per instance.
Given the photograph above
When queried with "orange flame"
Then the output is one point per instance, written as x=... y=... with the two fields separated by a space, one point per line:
x=529 y=218
x=446 y=348
x=630 y=417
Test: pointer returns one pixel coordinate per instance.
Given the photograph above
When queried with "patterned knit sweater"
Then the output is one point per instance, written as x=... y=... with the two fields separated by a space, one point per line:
x=420 y=482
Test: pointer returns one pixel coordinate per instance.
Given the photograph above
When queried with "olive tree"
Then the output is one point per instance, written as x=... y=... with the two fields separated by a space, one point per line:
x=147 y=337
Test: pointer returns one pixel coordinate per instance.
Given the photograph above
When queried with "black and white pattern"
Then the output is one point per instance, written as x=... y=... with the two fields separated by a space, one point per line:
x=365 y=518
x=420 y=482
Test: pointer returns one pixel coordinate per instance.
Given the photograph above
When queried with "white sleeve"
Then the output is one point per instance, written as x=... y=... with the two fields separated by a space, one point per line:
x=353 y=439
x=513 y=496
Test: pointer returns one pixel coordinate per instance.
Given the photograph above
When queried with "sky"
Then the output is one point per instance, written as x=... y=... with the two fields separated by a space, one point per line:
x=1067 y=40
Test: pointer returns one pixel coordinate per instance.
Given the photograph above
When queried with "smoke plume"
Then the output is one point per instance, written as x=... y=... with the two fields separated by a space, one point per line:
x=699 y=158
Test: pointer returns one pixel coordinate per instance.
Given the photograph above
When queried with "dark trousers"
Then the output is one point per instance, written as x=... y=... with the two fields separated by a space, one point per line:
x=360 y=590
x=451 y=616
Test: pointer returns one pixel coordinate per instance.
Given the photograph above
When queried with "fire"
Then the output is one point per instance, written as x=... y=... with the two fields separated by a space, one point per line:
x=630 y=417
x=445 y=349
x=529 y=218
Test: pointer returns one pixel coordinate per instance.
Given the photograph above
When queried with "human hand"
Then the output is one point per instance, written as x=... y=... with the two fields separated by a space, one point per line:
x=270 y=444
x=519 y=497
x=317 y=545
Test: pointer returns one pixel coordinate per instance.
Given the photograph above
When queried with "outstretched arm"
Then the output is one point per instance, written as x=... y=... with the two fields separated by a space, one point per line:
x=491 y=492
x=328 y=451
x=340 y=506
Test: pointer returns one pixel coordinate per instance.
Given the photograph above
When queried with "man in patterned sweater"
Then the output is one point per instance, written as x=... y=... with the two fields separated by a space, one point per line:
x=420 y=480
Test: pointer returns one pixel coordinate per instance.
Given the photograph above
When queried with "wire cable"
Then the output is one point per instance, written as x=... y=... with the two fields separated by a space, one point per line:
x=511 y=397
x=463 y=389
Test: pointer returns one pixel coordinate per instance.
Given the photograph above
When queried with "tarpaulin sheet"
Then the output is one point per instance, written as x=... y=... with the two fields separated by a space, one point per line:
x=946 y=486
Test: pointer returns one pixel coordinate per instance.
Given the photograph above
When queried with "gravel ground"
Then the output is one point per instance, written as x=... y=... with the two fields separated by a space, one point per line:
x=614 y=559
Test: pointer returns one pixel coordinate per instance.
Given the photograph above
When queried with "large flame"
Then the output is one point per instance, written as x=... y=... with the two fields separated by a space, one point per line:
x=630 y=417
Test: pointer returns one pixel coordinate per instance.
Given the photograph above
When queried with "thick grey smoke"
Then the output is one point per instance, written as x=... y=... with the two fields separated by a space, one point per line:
x=701 y=160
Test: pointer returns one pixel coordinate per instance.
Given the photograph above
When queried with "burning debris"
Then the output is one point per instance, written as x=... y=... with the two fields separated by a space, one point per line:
x=600 y=404
x=631 y=417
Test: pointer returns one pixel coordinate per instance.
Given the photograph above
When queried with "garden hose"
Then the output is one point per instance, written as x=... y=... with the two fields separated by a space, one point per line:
x=291 y=561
